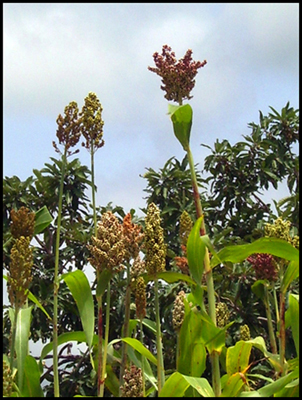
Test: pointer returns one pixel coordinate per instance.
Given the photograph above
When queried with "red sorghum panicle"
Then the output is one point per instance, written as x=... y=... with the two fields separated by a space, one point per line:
x=133 y=382
x=23 y=223
x=154 y=241
x=92 y=123
x=177 y=76
x=264 y=265
x=68 y=131
x=133 y=237
x=108 y=248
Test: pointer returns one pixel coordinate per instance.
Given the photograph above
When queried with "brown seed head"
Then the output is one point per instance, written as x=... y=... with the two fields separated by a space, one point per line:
x=92 y=123
x=133 y=237
x=178 y=312
x=133 y=382
x=68 y=131
x=177 y=76
x=108 y=248
x=23 y=223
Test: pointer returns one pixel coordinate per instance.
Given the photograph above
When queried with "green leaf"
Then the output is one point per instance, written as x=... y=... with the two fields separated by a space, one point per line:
x=22 y=338
x=169 y=277
x=192 y=352
x=237 y=357
x=233 y=386
x=292 y=318
x=103 y=281
x=259 y=288
x=34 y=300
x=31 y=386
x=79 y=287
x=274 y=246
x=42 y=220
x=181 y=117
x=78 y=336
x=136 y=344
x=196 y=252
x=177 y=384
x=291 y=273
x=111 y=381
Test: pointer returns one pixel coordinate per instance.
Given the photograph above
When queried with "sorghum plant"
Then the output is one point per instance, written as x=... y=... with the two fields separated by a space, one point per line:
x=178 y=81
x=68 y=133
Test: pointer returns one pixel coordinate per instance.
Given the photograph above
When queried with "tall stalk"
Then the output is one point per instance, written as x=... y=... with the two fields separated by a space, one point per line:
x=214 y=356
x=160 y=361
x=142 y=357
x=269 y=322
x=57 y=281
x=125 y=328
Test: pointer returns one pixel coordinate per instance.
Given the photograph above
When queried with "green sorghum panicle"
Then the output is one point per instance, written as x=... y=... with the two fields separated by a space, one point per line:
x=222 y=314
x=22 y=223
x=108 y=248
x=178 y=312
x=19 y=277
x=92 y=123
x=133 y=383
x=281 y=229
x=7 y=380
x=245 y=332
x=140 y=298
x=154 y=241
x=185 y=227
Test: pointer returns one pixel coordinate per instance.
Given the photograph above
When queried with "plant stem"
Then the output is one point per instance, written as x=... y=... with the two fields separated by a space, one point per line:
x=106 y=340
x=13 y=340
x=282 y=333
x=100 y=346
x=269 y=322
x=142 y=357
x=125 y=328
x=93 y=189
x=57 y=283
x=160 y=363
x=209 y=277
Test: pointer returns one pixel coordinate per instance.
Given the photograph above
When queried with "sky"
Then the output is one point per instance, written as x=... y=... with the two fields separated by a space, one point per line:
x=55 y=53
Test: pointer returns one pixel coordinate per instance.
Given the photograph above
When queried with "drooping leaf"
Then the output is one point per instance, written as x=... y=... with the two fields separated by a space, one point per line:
x=79 y=287
x=137 y=345
x=269 y=245
x=177 y=384
x=292 y=318
x=42 y=220
x=291 y=273
x=237 y=357
x=181 y=117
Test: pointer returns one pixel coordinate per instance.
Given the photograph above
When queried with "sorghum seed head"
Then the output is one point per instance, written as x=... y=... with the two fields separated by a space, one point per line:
x=133 y=382
x=222 y=314
x=23 y=223
x=108 y=248
x=19 y=277
x=178 y=312
x=245 y=332
x=92 y=123
x=133 y=237
x=68 y=131
x=7 y=380
x=264 y=265
x=140 y=298
x=177 y=76
x=154 y=241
